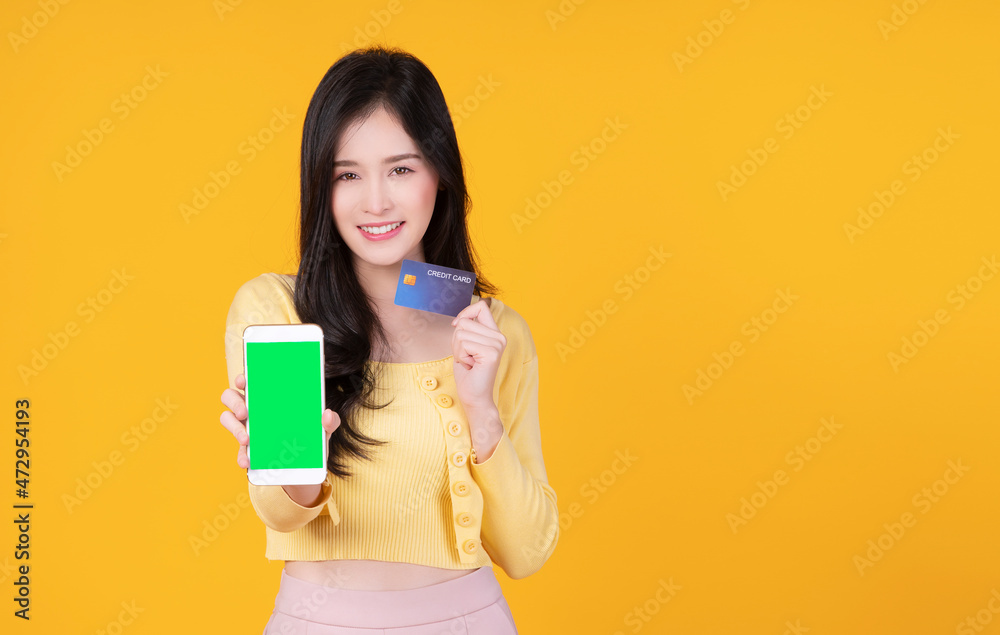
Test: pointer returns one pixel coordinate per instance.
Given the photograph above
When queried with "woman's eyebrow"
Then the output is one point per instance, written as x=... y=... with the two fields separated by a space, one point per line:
x=398 y=157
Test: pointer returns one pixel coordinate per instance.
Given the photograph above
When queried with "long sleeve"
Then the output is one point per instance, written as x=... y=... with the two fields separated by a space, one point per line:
x=520 y=525
x=263 y=300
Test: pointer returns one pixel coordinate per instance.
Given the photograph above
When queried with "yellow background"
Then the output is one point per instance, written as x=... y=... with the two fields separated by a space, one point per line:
x=555 y=85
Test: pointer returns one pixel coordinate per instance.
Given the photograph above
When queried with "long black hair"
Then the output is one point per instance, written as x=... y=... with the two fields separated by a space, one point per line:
x=327 y=291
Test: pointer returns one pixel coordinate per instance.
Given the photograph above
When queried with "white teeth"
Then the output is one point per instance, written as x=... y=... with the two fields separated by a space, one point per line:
x=381 y=230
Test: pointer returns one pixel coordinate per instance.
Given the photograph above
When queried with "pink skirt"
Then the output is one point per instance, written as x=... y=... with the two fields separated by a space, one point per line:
x=470 y=605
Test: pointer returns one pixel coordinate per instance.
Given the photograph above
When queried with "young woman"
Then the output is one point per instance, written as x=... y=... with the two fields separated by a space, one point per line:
x=435 y=468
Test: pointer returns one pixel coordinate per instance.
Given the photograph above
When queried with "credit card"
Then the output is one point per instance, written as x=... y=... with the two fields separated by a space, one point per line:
x=433 y=288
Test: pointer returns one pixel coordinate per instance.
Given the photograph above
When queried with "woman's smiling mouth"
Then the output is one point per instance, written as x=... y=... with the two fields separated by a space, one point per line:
x=380 y=232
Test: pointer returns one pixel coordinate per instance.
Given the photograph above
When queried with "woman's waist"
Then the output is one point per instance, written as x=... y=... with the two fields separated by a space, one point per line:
x=371 y=575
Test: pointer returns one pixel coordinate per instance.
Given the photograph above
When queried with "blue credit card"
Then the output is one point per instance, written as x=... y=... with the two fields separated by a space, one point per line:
x=433 y=288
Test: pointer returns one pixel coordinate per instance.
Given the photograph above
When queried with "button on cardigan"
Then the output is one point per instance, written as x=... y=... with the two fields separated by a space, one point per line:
x=422 y=499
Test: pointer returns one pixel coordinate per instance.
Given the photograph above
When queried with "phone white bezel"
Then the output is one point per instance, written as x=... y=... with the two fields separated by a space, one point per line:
x=287 y=333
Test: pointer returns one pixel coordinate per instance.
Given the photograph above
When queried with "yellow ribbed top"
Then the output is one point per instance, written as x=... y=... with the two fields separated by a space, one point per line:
x=422 y=499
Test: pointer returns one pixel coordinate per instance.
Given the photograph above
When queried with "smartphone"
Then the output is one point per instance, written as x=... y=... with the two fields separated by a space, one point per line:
x=285 y=397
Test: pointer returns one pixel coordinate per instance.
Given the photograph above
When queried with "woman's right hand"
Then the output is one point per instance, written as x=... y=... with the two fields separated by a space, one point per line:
x=235 y=420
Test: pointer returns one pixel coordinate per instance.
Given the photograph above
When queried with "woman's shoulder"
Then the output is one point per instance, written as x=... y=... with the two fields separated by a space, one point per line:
x=269 y=282
x=268 y=293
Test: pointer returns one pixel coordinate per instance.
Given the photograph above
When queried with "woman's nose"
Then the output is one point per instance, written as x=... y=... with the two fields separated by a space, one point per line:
x=377 y=196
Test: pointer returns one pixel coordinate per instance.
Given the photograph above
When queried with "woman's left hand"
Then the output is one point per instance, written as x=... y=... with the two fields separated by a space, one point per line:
x=477 y=345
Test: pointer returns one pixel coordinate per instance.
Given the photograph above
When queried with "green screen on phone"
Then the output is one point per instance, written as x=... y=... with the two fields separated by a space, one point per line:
x=285 y=407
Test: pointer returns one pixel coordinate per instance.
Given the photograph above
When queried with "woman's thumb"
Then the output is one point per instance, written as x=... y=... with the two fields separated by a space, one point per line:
x=331 y=420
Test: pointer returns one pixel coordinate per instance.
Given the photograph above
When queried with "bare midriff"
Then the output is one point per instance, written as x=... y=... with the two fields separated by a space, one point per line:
x=371 y=575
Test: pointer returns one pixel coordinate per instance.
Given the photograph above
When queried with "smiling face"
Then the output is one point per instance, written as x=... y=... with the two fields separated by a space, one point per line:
x=382 y=183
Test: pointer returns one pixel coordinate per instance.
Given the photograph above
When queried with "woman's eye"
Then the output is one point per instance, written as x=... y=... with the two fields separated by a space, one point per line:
x=351 y=176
